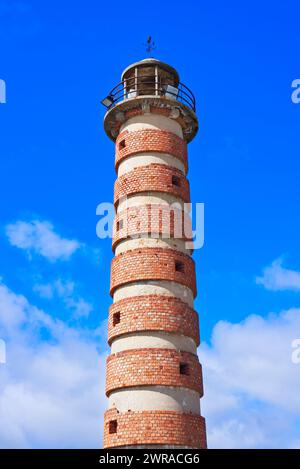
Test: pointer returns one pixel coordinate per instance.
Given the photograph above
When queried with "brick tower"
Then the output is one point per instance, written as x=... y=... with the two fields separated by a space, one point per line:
x=153 y=378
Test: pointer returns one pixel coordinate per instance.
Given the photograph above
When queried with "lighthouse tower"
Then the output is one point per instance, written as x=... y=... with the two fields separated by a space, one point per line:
x=153 y=376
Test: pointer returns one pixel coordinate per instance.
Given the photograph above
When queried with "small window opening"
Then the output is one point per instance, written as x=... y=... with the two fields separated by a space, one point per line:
x=113 y=426
x=119 y=225
x=179 y=266
x=116 y=318
x=176 y=181
x=184 y=369
x=122 y=144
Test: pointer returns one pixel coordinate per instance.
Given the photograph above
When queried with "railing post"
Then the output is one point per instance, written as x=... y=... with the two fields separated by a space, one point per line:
x=156 y=80
x=125 y=87
x=136 y=80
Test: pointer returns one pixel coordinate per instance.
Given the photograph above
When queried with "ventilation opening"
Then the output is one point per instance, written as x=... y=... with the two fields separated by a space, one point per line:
x=113 y=426
x=184 y=369
x=179 y=266
x=119 y=225
x=116 y=318
x=175 y=181
x=122 y=144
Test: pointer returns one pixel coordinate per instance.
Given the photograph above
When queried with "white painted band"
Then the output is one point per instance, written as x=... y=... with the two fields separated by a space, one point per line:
x=144 y=159
x=152 y=198
x=140 y=340
x=152 y=121
x=129 y=244
x=155 y=287
x=155 y=398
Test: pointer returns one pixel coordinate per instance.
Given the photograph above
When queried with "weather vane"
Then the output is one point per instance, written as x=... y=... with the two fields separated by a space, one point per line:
x=150 y=45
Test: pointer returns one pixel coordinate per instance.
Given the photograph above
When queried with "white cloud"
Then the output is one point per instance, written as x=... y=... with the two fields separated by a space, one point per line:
x=40 y=238
x=80 y=307
x=276 y=277
x=59 y=287
x=44 y=290
x=66 y=291
x=251 y=385
x=51 y=389
x=13 y=309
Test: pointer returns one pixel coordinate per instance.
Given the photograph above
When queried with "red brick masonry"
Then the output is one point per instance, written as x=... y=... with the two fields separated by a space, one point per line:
x=155 y=428
x=149 y=367
x=153 y=178
x=152 y=313
x=150 y=140
x=152 y=219
x=152 y=264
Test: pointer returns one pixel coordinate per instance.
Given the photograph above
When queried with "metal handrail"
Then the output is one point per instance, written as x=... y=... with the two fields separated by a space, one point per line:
x=129 y=88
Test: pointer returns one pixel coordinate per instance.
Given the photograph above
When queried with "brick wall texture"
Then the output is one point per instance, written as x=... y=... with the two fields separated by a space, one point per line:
x=153 y=313
x=150 y=140
x=150 y=367
x=153 y=178
x=155 y=428
x=152 y=264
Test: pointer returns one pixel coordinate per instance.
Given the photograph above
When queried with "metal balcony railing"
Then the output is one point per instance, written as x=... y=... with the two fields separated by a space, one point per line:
x=149 y=86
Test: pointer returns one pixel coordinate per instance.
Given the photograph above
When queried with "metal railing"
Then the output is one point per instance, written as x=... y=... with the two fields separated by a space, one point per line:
x=150 y=86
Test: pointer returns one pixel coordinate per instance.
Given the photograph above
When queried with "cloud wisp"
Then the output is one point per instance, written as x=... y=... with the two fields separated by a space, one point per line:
x=66 y=291
x=39 y=237
x=276 y=277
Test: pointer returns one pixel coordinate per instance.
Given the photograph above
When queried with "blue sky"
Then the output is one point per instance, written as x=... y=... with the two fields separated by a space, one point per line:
x=59 y=60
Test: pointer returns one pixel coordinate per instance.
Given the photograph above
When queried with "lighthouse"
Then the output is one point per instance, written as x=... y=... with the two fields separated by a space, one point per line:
x=153 y=375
